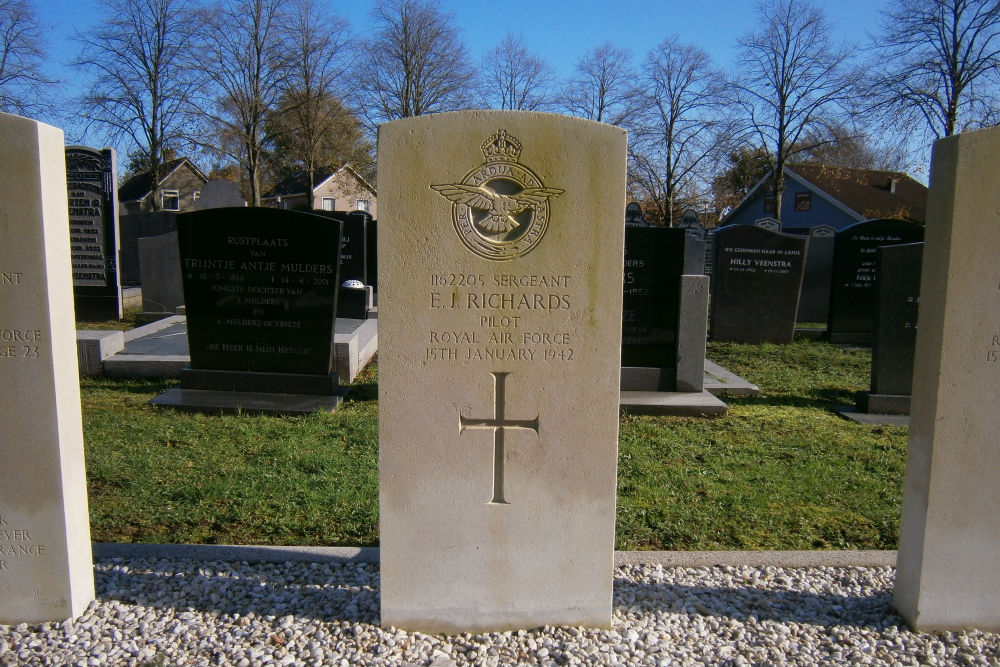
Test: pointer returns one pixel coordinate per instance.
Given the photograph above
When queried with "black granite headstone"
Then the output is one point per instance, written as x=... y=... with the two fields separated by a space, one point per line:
x=897 y=299
x=755 y=284
x=352 y=301
x=372 y=230
x=260 y=289
x=93 y=232
x=814 y=303
x=655 y=260
x=852 y=291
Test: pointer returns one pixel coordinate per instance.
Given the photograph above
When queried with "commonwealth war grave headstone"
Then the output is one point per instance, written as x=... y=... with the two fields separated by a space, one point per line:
x=852 y=290
x=663 y=324
x=91 y=179
x=45 y=563
x=756 y=281
x=950 y=528
x=260 y=294
x=501 y=284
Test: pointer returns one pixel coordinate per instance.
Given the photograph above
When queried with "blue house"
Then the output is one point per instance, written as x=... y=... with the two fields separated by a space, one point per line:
x=834 y=196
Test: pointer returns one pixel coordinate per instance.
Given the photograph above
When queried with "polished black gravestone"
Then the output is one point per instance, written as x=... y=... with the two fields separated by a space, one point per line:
x=656 y=259
x=897 y=299
x=756 y=280
x=354 y=300
x=852 y=292
x=814 y=301
x=372 y=232
x=260 y=290
x=93 y=232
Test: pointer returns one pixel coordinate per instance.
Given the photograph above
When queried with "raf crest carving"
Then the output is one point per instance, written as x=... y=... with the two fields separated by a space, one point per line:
x=500 y=208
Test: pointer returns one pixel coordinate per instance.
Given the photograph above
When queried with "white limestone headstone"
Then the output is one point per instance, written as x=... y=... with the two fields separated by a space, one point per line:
x=949 y=538
x=46 y=572
x=500 y=269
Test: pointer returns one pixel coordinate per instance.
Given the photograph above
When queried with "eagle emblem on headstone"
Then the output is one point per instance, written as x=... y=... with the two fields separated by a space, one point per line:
x=500 y=208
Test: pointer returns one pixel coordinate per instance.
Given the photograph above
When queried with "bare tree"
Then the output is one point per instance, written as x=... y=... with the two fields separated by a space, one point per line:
x=939 y=64
x=681 y=130
x=21 y=54
x=310 y=112
x=414 y=64
x=603 y=87
x=144 y=78
x=515 y=78
x=791 y=82
x=245 y=62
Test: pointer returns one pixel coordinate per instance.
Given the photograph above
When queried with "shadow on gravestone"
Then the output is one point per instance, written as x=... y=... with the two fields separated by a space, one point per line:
x=756 y=282
x=260 y=290
x=852 y=291
x=92 y=189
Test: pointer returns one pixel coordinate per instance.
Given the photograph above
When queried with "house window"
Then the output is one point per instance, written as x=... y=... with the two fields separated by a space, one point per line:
x=769 y=204
x=329 y=204
x=803 y=201
x=362 y=205
x=170 y=200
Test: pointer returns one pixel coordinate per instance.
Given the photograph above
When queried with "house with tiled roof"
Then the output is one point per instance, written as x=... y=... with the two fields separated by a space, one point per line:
x=337 y=189
x=833 y=196
x=180 y=187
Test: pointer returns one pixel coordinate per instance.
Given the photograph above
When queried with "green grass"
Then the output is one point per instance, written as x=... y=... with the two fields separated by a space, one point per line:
x=780 y=471
x=127 y=322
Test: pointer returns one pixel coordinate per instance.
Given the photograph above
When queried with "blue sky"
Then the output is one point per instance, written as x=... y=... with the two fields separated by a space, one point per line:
x=561 y=31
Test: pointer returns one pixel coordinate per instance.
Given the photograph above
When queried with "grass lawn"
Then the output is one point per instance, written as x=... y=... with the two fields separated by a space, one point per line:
x=780 y=471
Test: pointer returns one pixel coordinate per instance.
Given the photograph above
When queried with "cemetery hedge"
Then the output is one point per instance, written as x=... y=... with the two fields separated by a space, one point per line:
x=780 y=471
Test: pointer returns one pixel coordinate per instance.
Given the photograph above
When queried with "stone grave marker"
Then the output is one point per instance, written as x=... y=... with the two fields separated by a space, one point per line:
x=660 y=327
x=372 y=232
x=160 y=271
x=897 y=297
x=770 y=224
x=852 y=290
x=355 y=298
x=950 y=529
x=500 y=263
x=814 y=301
x=91 y=180
x=755 y=284
x=634 y=216
x=46 y=572
x=219 y=193
x=260 y=295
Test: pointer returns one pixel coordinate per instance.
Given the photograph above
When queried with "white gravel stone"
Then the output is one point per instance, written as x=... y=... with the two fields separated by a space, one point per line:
x=184 y=612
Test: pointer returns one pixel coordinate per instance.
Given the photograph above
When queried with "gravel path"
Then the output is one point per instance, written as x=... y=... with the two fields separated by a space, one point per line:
x=165 y=612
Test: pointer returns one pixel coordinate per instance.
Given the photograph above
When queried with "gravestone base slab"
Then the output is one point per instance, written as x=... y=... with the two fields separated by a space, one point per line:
x=644 y=378
x=246 y=381
x=672 y=403
x=245 y=402
x=883 y=404
x=873 y=419
x=859 y=338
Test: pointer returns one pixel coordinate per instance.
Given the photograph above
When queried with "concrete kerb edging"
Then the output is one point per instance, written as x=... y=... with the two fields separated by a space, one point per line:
x=279 y=554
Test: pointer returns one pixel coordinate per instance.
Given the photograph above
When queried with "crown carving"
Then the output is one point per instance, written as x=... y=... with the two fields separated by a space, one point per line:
x=501 y=147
